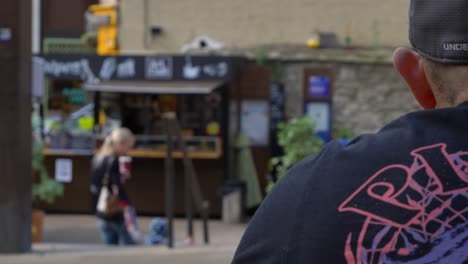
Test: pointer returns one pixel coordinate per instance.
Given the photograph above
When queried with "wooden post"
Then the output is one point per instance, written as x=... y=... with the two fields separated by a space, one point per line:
x=15 y=123
x=205 y=217
x=169 y=178
x=188 y=180
x=97 y=108
x=193 y=189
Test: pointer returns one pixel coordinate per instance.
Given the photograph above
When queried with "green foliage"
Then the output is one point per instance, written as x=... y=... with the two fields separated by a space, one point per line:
x=343 y=132
x=261 y=58
x=298 y=139
x=44 y=188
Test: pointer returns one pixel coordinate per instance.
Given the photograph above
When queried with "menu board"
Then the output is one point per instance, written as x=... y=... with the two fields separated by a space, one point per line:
x=255 y=121
x=321 y=113
x=277 y=109
x=92 y=69
x=278 y=103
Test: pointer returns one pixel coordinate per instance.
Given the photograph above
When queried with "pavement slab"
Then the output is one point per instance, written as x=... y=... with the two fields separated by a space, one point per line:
x=70 y=239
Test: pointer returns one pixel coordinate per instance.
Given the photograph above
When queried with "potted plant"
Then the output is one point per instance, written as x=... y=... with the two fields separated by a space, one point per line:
x=298 y=140
x=44 y=190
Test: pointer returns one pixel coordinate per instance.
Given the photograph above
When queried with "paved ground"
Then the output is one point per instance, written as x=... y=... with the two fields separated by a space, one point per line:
x=75 y=240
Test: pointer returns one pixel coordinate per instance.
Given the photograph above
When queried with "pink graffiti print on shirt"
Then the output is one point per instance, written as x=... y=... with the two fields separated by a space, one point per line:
x=415 y=214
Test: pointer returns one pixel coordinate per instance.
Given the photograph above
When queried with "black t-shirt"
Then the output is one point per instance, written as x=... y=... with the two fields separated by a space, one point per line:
x=100 y=165
x=397 y=196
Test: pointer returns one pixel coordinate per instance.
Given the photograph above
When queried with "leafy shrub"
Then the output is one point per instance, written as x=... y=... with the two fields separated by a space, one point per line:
x=298 y=140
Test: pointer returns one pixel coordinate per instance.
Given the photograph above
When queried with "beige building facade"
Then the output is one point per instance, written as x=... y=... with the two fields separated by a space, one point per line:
x=251 y=23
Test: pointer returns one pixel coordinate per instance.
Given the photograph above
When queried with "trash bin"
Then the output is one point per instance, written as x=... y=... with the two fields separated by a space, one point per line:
x=233 y=202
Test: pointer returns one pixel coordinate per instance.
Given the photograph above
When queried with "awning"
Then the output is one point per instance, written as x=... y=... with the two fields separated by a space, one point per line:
x=153 y=87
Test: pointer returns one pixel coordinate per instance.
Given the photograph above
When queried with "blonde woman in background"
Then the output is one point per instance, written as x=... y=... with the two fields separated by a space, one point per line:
x=112 y=225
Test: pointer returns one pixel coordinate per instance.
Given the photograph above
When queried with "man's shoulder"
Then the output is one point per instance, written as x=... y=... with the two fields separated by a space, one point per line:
x=319 y=209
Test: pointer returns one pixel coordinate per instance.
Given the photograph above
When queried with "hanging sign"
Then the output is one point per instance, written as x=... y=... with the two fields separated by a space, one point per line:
x=93 y=69
x=63 y=170
x=5 y=34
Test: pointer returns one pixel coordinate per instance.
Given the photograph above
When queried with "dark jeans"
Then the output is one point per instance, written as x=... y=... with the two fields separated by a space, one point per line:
x=115 y=232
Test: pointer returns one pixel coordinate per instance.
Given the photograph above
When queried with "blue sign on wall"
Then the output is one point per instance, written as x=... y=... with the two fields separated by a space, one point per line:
x=319 y=86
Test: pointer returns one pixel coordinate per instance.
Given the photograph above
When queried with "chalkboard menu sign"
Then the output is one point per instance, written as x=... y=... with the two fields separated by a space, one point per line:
x=277 y=106
x=255 y=121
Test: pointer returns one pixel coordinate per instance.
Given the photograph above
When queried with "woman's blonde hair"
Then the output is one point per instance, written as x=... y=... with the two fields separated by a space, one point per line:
x=122 y=134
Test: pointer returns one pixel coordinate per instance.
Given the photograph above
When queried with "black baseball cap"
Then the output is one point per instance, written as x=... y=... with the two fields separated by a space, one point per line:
x=439 y=30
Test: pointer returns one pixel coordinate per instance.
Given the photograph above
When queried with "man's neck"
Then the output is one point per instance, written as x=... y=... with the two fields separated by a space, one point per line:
x=444 y=102
x=463 y=97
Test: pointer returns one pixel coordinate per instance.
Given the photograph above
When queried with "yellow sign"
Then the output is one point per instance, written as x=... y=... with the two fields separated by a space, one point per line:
x=107 y=34
x=213 y=129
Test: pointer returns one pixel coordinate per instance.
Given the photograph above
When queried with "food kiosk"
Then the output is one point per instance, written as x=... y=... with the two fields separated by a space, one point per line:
x=88 y=96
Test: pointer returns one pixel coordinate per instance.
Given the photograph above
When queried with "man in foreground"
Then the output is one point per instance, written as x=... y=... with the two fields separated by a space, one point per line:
x=398 y=196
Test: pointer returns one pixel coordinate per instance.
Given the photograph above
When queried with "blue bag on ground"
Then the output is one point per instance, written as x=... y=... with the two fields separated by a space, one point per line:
x=158 y=232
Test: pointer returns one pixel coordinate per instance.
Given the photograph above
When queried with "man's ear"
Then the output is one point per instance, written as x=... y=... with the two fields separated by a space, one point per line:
x=410 y=66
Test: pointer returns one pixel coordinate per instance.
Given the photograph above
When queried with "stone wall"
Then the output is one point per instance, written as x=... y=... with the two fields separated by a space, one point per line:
x=366 y=95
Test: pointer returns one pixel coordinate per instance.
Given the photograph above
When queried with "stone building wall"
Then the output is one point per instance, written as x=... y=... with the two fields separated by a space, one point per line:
x=246 y=23
x=366 y=95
